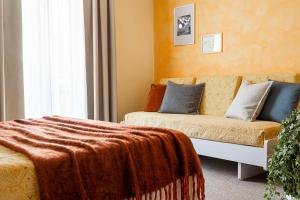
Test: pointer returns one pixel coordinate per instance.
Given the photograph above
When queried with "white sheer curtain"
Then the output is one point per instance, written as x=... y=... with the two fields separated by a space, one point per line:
x=54 y=58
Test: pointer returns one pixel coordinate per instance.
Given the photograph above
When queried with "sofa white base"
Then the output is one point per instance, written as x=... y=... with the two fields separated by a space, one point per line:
x=251 y=160
x=246 y=171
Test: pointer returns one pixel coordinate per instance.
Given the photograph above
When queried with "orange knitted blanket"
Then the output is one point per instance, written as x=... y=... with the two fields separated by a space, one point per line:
x=87 y=159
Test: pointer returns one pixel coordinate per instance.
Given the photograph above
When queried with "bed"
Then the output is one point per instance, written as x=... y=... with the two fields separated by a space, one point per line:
x=65 y=158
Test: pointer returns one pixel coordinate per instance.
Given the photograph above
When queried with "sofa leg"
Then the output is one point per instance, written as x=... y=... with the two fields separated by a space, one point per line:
x=246 y=171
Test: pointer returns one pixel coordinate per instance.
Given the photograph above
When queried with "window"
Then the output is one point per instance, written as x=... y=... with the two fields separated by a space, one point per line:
x=54 y=58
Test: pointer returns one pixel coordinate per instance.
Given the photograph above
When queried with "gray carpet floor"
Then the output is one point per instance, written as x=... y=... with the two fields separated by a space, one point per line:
x=221 y=182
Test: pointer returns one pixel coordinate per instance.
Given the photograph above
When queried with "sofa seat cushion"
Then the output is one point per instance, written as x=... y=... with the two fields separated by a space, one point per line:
x=209 y=127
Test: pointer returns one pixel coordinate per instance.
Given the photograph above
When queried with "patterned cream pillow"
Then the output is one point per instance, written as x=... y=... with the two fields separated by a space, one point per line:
x=218 y=94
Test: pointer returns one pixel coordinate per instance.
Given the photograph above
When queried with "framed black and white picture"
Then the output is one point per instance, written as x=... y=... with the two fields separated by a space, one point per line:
x=184 y=25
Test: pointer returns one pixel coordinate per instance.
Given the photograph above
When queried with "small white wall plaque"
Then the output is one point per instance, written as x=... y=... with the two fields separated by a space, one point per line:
x=184 y=25
x=212 y=43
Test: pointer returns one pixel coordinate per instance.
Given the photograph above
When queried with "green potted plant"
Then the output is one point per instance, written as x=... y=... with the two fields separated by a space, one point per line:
x=284 y=165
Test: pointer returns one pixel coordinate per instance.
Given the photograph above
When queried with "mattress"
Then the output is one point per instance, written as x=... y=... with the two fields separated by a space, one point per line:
x=18 y=180
x=209 y=127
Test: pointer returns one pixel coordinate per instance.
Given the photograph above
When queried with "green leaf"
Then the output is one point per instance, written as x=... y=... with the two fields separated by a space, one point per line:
x=284 y=165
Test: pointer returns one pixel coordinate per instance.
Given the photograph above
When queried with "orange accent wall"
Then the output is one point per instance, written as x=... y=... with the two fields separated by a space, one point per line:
x=134 y=53
x=259 y=37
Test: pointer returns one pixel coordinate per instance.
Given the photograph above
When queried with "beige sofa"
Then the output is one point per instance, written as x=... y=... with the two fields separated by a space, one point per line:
x=248 y=143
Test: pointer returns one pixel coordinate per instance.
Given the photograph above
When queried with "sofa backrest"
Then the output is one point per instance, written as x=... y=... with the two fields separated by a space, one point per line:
x=218 y=93
x=291 y=78
x=184 y=80
x=221 y=90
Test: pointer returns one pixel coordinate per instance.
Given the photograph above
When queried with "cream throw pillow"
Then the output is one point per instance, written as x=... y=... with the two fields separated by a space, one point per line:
x=249 y=101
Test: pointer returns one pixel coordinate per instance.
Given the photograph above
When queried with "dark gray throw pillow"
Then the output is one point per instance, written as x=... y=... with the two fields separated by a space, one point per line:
x=282 y=100
x=182 y=99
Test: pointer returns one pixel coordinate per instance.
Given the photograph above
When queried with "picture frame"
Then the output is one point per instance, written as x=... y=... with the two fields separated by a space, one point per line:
x=212 y=43
x=184 y=25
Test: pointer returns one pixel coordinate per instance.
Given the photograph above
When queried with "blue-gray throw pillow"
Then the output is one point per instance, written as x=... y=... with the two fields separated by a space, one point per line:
x=182 y=99
x=282 y=100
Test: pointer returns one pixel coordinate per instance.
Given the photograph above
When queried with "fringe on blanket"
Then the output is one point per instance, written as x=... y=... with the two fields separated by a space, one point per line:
x=190 y=188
